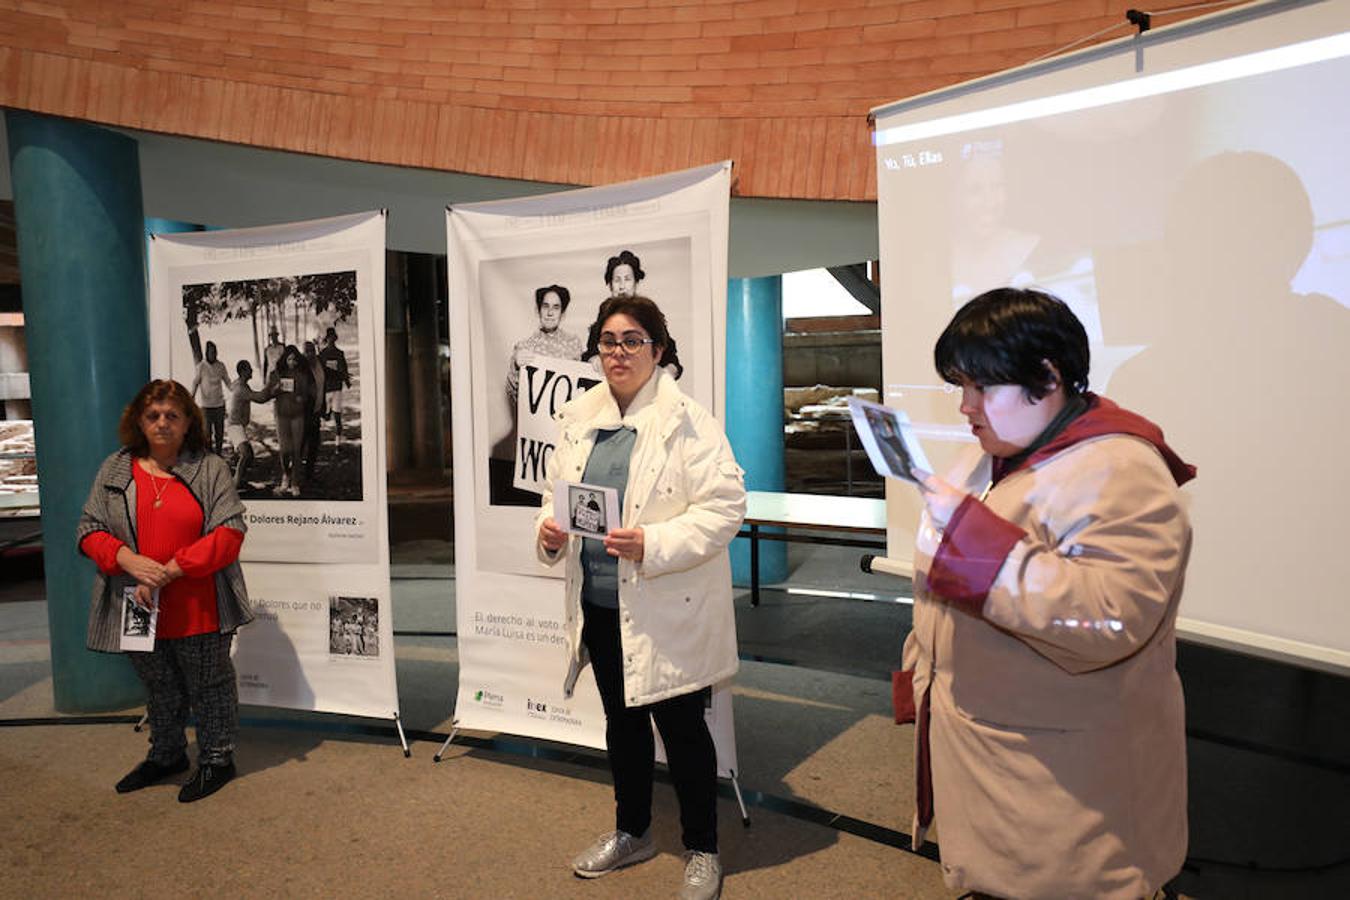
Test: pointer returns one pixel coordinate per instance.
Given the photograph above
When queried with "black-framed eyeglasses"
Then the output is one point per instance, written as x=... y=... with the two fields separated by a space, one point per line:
x=609 y=346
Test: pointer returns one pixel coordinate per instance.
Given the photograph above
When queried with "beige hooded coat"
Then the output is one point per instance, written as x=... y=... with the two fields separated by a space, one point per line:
x=1044 y=644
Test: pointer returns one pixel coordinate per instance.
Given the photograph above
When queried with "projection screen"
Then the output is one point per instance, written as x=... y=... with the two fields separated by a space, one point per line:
x=1187 y=192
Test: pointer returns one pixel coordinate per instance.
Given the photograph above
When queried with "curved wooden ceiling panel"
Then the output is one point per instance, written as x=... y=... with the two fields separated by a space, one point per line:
x=571 y=91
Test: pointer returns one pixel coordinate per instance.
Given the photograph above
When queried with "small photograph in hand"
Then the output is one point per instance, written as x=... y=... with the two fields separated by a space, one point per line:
x=889 y=439
x=138 y=623
x=589 y=510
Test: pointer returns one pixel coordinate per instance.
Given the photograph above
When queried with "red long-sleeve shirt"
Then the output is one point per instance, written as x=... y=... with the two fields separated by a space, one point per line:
x=187 y=605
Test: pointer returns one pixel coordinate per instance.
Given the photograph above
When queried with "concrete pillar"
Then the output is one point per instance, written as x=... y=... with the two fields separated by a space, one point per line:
x=755 y=405
x=80 y=231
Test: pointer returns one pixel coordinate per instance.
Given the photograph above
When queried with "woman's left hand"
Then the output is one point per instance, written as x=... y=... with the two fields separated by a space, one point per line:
x=625 y=543
x=144 y=596
x=941 y=499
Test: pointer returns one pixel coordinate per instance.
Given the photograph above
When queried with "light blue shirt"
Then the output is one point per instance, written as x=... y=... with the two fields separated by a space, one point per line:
x=607 y=466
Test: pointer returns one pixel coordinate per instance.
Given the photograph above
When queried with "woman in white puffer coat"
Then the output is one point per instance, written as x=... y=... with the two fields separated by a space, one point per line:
x=649 y=606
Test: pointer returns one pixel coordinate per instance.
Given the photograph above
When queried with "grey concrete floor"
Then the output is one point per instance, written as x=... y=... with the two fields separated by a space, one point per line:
x=1269 y=744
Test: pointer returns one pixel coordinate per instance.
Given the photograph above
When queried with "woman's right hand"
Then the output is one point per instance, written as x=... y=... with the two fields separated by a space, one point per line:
x=144 y=596
x=941 y=498
x=144 y=569
x=551 y=535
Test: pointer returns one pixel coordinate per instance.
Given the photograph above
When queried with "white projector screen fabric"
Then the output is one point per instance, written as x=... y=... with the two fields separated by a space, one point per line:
x=1187 y=193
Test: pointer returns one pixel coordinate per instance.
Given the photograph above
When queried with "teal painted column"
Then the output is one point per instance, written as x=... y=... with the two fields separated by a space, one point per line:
x=755 y=406
x=80 y=231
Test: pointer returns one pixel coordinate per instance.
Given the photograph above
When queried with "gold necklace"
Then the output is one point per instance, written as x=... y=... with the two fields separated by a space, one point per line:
x=159 y=491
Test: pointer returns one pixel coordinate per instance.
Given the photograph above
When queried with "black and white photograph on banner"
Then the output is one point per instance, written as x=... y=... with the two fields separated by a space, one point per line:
x=546 y=383
x=277 y=372
x=543 y=306
x=354 y=626
x=281 y=330
x=889 y=439
x=589 y=510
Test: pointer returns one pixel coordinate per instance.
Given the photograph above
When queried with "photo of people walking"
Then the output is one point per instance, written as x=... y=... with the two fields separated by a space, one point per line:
x=295 y=432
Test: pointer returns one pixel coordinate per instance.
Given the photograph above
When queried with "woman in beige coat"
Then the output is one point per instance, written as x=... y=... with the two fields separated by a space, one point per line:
x=1048 y=569
x=649 y=607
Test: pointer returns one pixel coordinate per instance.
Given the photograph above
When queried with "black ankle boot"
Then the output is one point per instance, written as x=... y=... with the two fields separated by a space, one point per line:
x=206 y=781
x=149 y=772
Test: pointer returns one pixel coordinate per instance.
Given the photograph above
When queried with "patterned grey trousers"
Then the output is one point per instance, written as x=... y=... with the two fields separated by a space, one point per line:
x=190 y=673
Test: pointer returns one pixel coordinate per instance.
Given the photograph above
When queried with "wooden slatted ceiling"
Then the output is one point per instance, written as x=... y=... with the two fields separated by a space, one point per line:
x=571 y=91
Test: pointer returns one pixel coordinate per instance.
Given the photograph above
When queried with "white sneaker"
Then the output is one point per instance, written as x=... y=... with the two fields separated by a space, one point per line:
x=702 y=876
x=614 y=851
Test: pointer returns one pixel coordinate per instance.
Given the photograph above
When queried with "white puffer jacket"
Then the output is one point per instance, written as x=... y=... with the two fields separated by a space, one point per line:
x=685 y=490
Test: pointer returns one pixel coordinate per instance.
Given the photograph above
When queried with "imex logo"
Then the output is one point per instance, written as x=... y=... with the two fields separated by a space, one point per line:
x=487 y=698
x=536 y=709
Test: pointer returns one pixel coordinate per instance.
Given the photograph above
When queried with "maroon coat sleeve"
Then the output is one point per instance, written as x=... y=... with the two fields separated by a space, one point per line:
x=974 y=546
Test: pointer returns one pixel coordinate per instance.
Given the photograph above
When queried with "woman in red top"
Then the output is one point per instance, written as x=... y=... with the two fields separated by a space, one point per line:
x=164 y=526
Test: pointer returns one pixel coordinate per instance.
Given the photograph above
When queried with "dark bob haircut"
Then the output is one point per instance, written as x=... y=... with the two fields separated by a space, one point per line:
x=161 y=391
x=563 y=294
x=625 y=258
x=1006 y=336
x=642 y=310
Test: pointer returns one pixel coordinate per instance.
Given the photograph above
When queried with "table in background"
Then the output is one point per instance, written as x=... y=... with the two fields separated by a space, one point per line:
x=20 y=511
x=815 y=512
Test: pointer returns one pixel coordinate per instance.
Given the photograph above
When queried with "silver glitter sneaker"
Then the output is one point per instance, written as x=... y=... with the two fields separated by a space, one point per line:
x=702 y=876
x=614 y=851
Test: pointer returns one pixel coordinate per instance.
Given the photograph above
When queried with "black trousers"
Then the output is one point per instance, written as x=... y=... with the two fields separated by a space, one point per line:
x=690 y=753
x=191 y=673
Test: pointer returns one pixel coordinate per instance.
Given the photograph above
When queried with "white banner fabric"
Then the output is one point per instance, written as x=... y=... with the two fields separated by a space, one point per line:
x=279 y=333
x=512 y=264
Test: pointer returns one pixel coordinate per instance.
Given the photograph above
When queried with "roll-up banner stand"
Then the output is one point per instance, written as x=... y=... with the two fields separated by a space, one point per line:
x=278 y=331
x=510 y=375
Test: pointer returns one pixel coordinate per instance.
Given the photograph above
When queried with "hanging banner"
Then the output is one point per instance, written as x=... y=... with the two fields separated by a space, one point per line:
x=527 y=278
x=278 y=332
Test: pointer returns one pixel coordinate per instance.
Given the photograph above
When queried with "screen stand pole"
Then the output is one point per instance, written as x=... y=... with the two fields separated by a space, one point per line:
x=454 y=730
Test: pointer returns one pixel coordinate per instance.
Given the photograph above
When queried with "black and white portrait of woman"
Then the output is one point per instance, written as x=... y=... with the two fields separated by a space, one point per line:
x=539 y=306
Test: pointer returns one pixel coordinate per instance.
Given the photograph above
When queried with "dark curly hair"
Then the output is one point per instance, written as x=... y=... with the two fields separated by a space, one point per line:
x=1007 y=335
x=161 y=390
x=564 y=295
x=625 y=258
x=640 y=309
x=646 y=313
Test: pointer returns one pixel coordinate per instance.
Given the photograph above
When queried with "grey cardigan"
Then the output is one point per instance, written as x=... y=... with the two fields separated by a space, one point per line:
x=111 y=507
